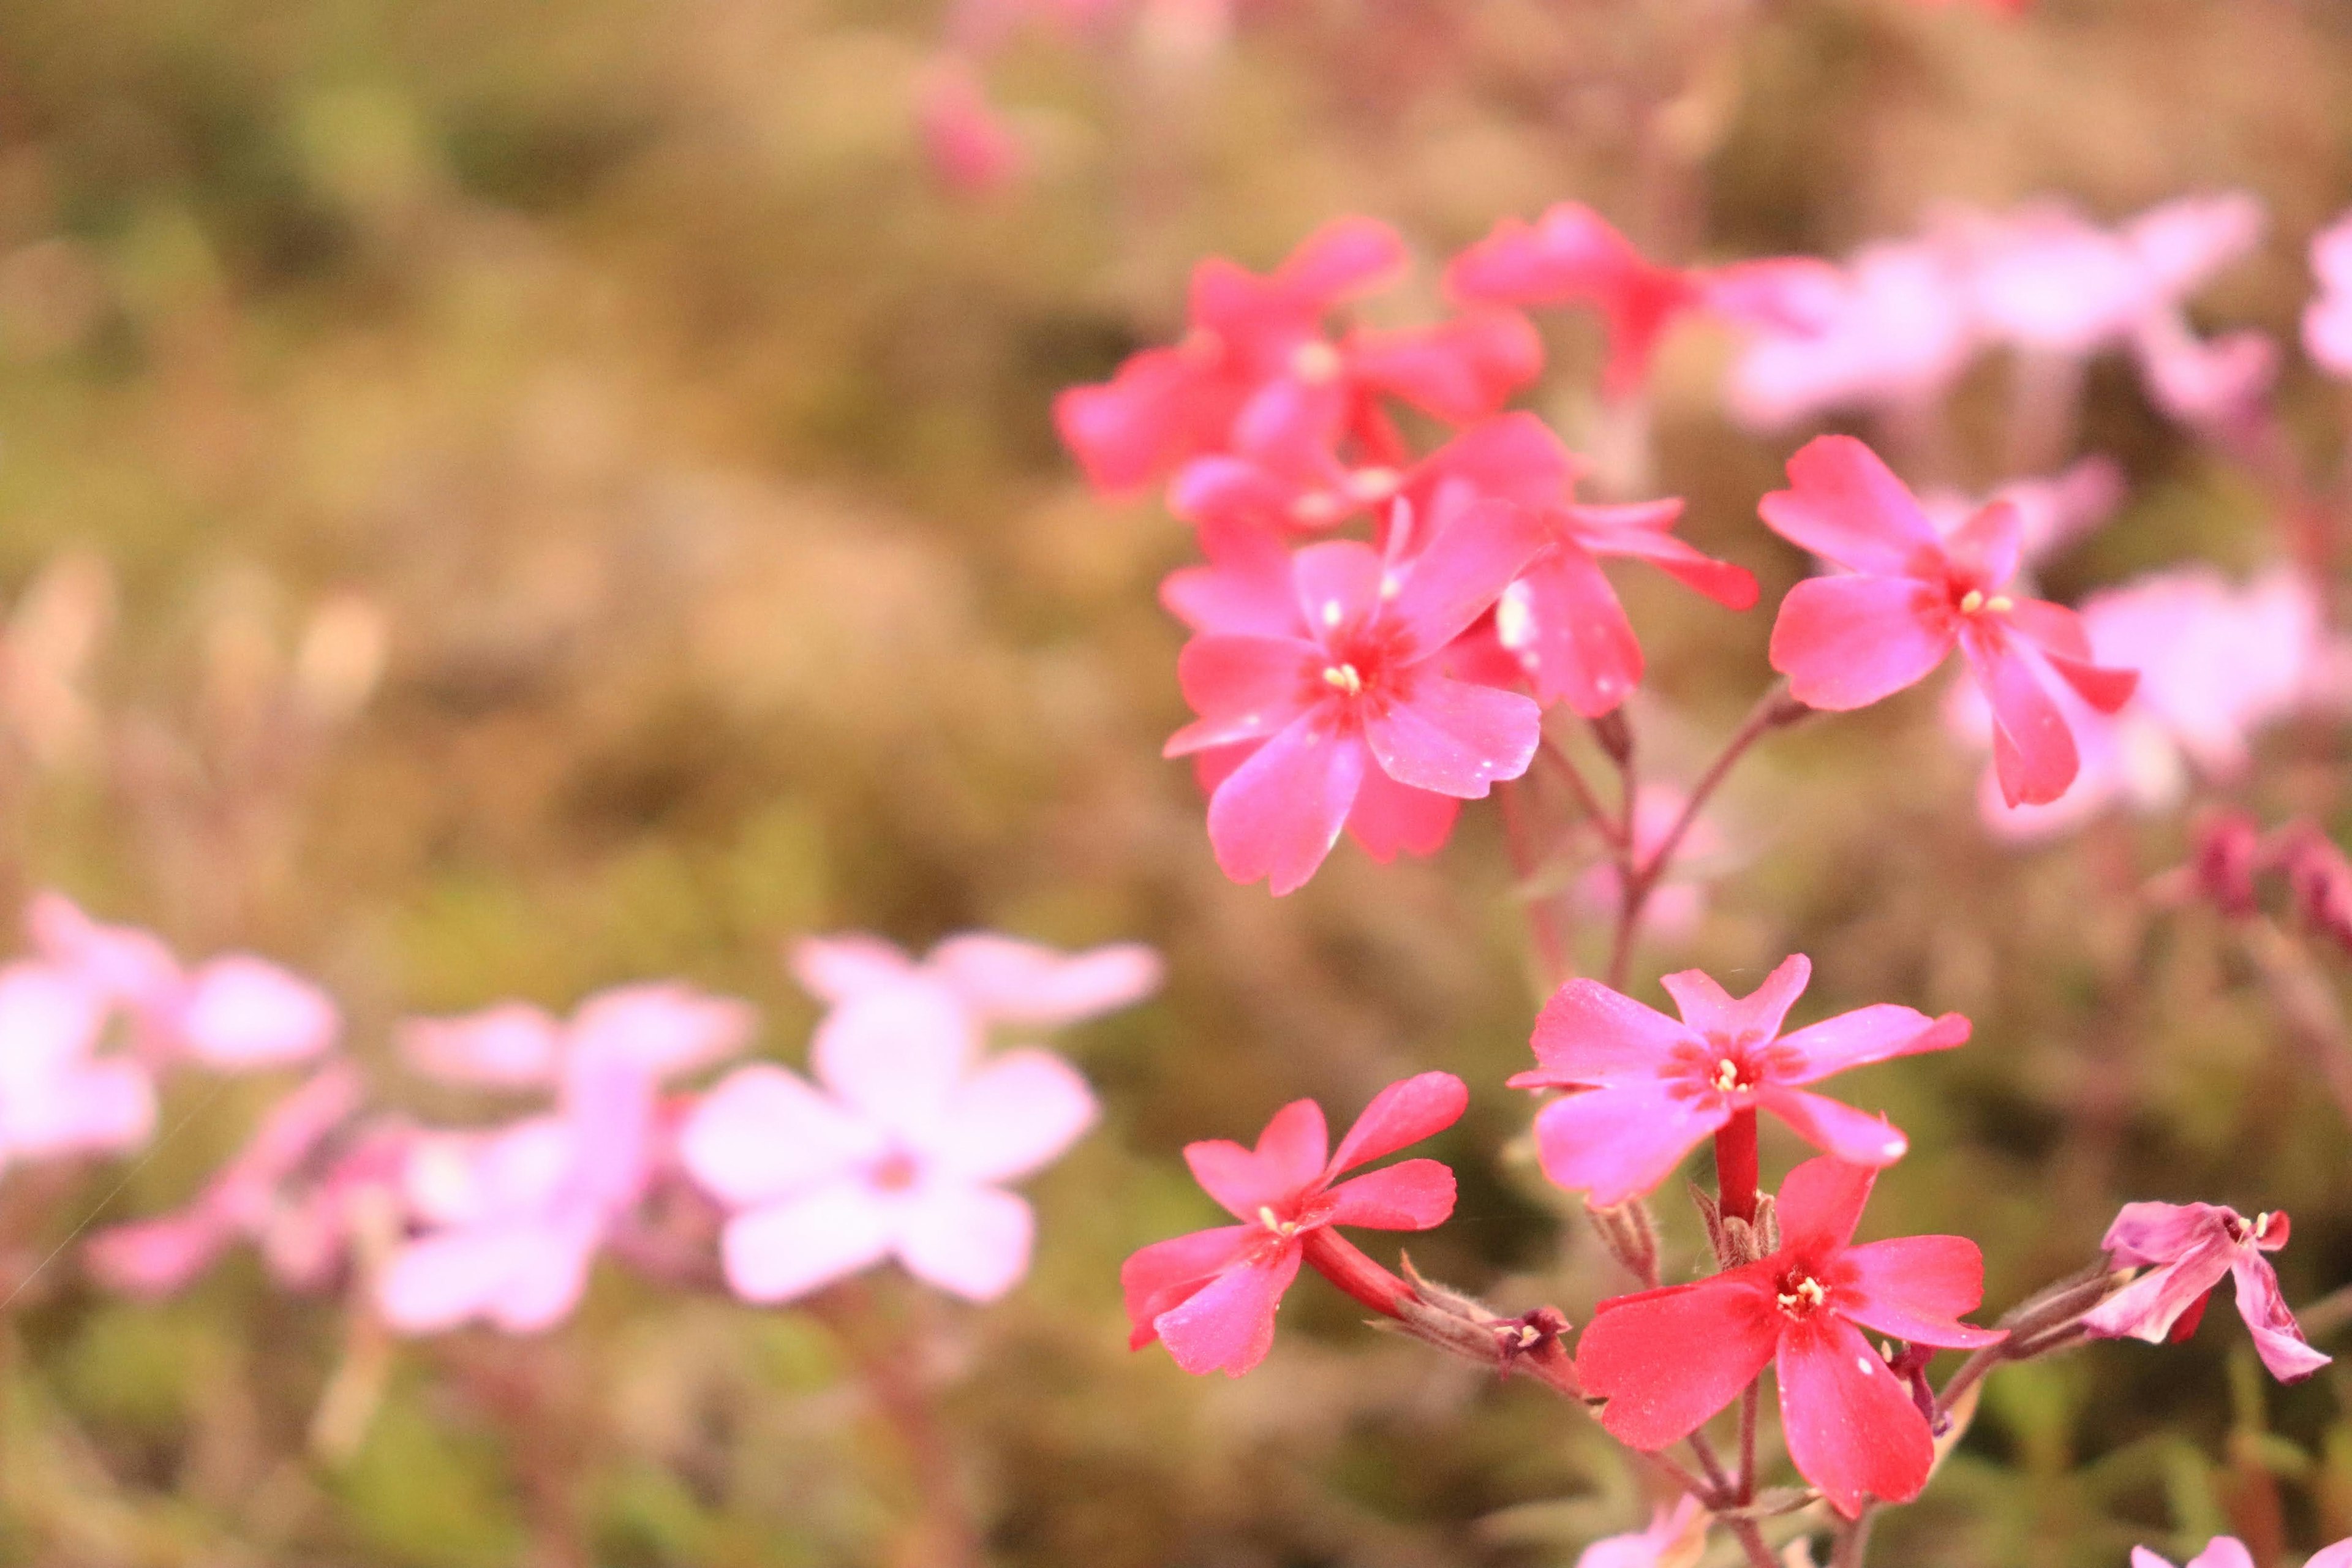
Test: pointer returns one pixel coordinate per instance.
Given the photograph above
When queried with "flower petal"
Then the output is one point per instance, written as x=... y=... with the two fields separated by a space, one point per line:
x=1288 y=1160
x=762 y=1132
x=1589 y=1035
x=1009 y=981
x=1851 y=1135
x=1405 y=1112
x=1564 y=624
x=1847 y=642
x=1156 y=1277
x=2278 y=1338
x=1852 y=1428
x=1015 y=1116
x=1389 y=816
x=969 y=1241
x=512 y=1045
x=786 y=1250
x=242 y=1012
x=894 y=1056
x=1244 y=688
x=1461 y=571
x=661 y=1027
x=1620 y=1143
x=1667 y=1360
x=1228 y=1324
x=1819 y=1204
x=1412 y=1194
x=1337 y=586
x=1846 y=505
x=1706 y=1007
x=2147 y=1307
x=1914 y=1287
x=1454 y=738
x=836 y=968
x=1867 y=1035
x=1279 y=814
x=2033 y=753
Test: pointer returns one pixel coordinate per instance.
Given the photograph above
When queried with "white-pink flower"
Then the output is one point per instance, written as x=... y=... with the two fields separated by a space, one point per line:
x=2052 y=511
x=233 y=1013
x=998 y=979
x=663 y=1026
x=58 y=1094
x=1892 y=329
x=2327 y=320
x=1677 y=1538
x=902 y=1153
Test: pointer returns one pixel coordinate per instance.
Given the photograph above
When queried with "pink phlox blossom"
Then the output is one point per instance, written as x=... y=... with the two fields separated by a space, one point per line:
x=1645 y=1089
x=971 y=148
x=2185 y=1249
x=1211 y=1297
x=1678 y=900
x=253 y=1197
x=1572 y=255
x=1257 y=371
x=902 y=1148
x=1677 y=1538
x=2054 y=513
x=1910 y=596
x=2336 y=1556
x=508 y=1220
x=232 y=1013
x=664 y=1027
x=1666 y=1359
x=58 y=1094
x=1892 y=329
x=996 y=979
x=1357 y=688
x=2327 y=320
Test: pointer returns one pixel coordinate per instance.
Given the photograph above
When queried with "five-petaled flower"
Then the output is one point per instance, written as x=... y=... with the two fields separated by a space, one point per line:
x=2186 y=1248
x=1210 y=1297
x=1666 y=1359
x=1645 y=1089
x=1357 y=685
x=1910 y=596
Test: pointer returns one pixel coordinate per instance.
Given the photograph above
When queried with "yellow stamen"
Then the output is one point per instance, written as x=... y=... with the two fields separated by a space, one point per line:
x=2000 y=604
x=1809 y=1290
x=1343 y=677
x=1972 y=602
x=1727 y=1075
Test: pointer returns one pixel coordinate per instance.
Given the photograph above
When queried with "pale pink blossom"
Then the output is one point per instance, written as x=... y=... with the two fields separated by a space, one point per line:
x=2327 y=320
x=2185 y=1250
x=232 y=1013
x=58 y=1096
x=2216 y=663
x=2221 y=1552
x=1677 y=1538
x=997 y=979
x=903 y=1148
x=2053 y=512
x=663 y=1027
x=1892 y=329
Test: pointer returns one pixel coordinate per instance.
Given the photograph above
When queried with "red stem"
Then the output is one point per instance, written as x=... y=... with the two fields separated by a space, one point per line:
x=1735 y=1166
x=1337 y=1258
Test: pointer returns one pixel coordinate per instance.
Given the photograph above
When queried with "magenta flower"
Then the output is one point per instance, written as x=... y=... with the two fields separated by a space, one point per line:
x=1646 y=1091
x=903 y=1153
x=996 y=979
x=252 y=1197
x=663 y=1026
x=1910 y=596
x=1572 y=255
x=1666 y=1359
x=57 y=1095
x=1211 y=1297
x=2186 y=1248
x=1360 y=690
x=232 y=1013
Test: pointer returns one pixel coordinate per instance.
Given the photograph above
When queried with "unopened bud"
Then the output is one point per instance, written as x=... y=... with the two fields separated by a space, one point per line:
x=1631 y=1236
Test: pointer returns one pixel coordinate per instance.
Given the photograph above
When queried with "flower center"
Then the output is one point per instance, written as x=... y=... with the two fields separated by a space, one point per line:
x=1730 y=1076
x=1284 y=1228
x=1803 y=1297
x=1344 y=678
x=894 y=1172
x=1974 y=601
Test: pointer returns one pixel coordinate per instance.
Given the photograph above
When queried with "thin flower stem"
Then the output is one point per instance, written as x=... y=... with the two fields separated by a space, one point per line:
x=2327 y=1314
x=1971 y=1370
x=948 y=1536
x=1852 y=1540
x=1702 y=1448
x=1587 y=800
x=1772 y=710
x=1751 y=1541
x=2306 y=1004
x=1750 y=1404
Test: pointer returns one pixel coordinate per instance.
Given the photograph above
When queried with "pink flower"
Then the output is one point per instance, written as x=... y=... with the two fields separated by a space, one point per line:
x=971 y=148
x=1357 y=690
x=663 y=1027
x=1910 y=597
x=1677 y=1539
x=2216 y=663
x=2221 y=1552
x=2052 y=512
x=1646 y=1091
x=2327 y=320
x=903 y=1153
x=1560 y=619
x=1666 y=1359
x=58 y=1096
x=1893 y=329
x=1211 y=1297
x=2336 y=1556
x=511 y=1219
x=1572 y=255
x=997 y=979
x=233 y=1013
x=251 y=1197
x=2186 y=1248
x=1678 y=902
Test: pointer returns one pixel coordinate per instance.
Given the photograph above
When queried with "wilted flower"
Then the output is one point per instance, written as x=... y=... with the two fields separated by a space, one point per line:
x=2187 y=1248
x=1211 y=1297
x=1666 y=1359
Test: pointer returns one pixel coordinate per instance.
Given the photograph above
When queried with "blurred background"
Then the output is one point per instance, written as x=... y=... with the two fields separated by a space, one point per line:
x=506 y=497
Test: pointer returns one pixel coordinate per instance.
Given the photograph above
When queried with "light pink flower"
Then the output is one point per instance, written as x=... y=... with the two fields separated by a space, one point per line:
x=2336 y=1556
x=997 y=979
x=2052 y=512
x=663 y=1026
x=232 y=1013
x=2221 y=1552
x=1678 y=901
x=252 y=1197
x=2216 y=663
x=2327 y=320
x=2185 y=1249
x=903 y=1153
x=511 y=1219
x=1911 y=597
x=1893 y=329
x=1360 y=689
x=1677 y=1538
x=57 y=1095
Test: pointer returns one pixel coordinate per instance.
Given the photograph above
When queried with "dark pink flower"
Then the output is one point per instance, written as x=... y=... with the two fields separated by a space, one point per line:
x=1572 y=255
x=1666 y=1359
x=1646 y=1091
x=2185 y=1249
x=1211 y=1297
x=1909 y=596
x=1357 y=688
